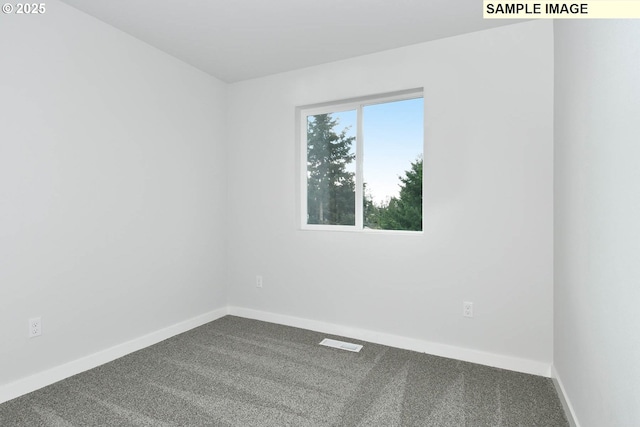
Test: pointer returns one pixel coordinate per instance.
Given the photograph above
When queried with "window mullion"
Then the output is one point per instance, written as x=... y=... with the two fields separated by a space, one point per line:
x=359 y=172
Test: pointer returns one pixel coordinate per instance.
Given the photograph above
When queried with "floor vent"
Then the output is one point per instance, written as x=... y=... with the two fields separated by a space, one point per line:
x=341 y=345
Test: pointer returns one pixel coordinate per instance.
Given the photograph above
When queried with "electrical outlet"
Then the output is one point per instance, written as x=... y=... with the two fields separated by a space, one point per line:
x=258 y=281
x=35 y=327
x=467 y=309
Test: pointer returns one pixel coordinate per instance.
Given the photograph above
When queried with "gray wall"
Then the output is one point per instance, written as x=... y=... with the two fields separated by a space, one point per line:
x=597 y=219
x=488 y=209
x=112 y=189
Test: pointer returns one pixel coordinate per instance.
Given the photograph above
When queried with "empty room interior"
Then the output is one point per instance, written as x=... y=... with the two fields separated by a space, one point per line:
x=154 y=190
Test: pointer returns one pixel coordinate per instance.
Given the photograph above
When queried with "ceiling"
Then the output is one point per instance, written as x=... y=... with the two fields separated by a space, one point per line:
x=236 y=40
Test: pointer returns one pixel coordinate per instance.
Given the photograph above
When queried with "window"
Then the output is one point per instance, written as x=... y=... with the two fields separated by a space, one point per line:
x=362 y=163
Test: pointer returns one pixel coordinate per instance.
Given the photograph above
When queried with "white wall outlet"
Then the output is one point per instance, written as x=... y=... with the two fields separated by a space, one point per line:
x=258 y=281
x=35 y=327
x=467 y=309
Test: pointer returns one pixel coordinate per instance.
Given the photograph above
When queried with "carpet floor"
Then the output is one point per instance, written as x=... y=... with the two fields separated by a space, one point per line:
x=240 y=372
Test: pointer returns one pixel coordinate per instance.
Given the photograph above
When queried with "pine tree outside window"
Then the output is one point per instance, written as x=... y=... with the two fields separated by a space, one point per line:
x=362 y=164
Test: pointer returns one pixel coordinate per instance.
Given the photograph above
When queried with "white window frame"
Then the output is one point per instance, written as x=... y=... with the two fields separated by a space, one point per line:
x=336 y=107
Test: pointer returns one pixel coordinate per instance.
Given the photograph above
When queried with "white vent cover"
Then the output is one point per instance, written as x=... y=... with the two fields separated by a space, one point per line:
x=341 y=345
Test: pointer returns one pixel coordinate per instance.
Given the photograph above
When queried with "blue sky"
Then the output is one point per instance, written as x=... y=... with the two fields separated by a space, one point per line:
x=393 y=138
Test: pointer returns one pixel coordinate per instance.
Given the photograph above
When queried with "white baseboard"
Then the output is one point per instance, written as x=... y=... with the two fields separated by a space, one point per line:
x=50 y=376
x=564 y=399
x=459 y=353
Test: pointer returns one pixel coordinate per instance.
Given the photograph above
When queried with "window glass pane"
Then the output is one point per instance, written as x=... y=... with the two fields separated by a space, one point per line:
x=392 y=165
x=331 y=151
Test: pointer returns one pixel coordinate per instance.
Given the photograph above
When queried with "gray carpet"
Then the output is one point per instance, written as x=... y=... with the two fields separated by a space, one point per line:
x=239 y=372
